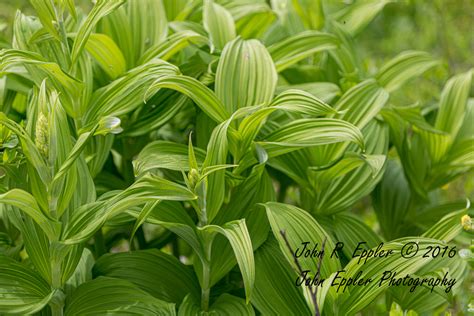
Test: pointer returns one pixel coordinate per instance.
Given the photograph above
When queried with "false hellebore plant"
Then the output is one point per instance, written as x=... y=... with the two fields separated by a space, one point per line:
x=97 y=110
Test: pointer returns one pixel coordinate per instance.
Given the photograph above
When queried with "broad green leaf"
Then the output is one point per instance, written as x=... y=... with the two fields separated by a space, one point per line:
x=356 y=298
x=437 y=143
x=296 y=48
x=310 y=132
x=404 y=67
x=107 y=54
x=300 y=227
x=100 y=9
x=173 y=45
x=325 y=91
x=108 y=295
x=413 y=115
x=153 y=271
x=245 y=75
x=106 y=125
x=167 y=155
x=358 y=15
x=27 y=203
x=453 y=103
x=36 y=242
x=392 y=200
x=217 y=149
x=147 y=29
x=252 y=19
x=218 y=23
x=275 y=292
x=136 y=27
x=22 y=289
x=147 y=209
x=90 y=217
x=342 y=192
x=82 y=272
x=173 y=216
x=311 y=12
x=350 y=162
x=174 y=8
x=303 y=102
x=229 y=304
x=346 y=57
x=238 y=236
x=351 y=230
x=47 y=15
x=447 y=227
x=165 y=105
x=359 y=105
x=189 y=306
x=69 y=87
x=256 y=188
x=289 y=21
x=128 y=92
x=195 y=90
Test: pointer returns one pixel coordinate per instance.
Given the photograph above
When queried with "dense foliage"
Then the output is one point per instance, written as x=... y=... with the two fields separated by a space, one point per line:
x=169 y=156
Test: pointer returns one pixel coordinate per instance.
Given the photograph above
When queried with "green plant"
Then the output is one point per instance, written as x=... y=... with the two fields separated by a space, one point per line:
x=212 y=138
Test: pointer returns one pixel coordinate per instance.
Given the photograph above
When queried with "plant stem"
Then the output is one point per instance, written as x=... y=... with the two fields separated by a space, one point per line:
x=206 y=276
x=205 y=291
x=57 y=302
x=57 y=309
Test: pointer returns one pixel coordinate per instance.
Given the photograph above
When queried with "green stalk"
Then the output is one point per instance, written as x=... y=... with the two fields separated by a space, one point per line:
x=206 y=290
x=57 y=302
x=206 y=276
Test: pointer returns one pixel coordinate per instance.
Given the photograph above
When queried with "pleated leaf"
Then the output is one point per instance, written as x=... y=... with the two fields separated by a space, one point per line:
x=40 y=69
x=356 y=298
x=299 y=226
x=238 y=236
x=311 y=132
x=27 y=203
x=100 y=9
x=351 y=230
x=153 y=271
x=128 y=92
x=453 y=103
x=173 y=45
x=229 y=304
x=219 y=23
x=303 y=102
x=294 y=49
x=275 y=291
x=245 y=75
x=391 y=200
x=107 y=54
x=90 y=217
x=195 y=90
x=217 y=150
x=358 y=15
x=166 y=155
x=447 y=227
x=23 y=290
x=108 y=295
x=404 y=67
